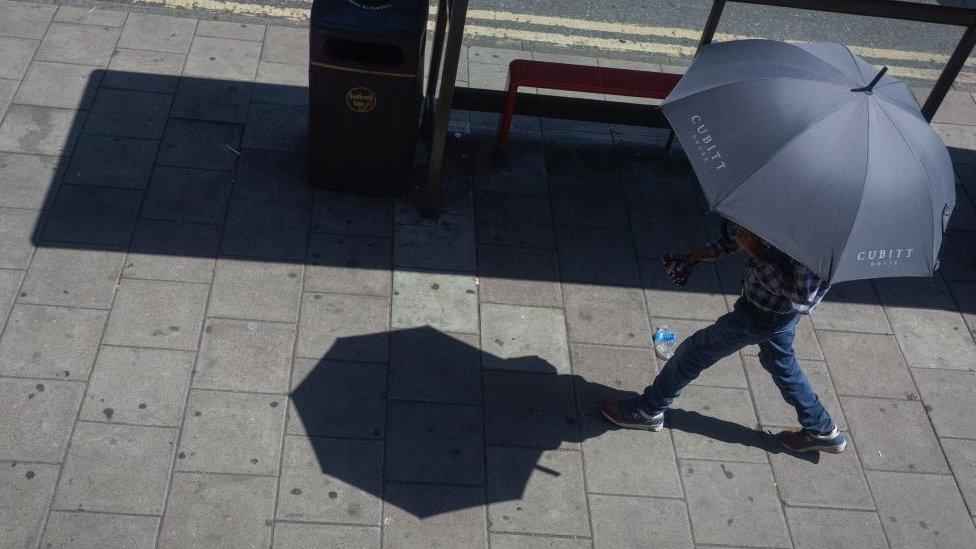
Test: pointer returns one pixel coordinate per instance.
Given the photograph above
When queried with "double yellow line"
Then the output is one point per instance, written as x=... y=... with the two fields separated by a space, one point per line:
x=480 y=26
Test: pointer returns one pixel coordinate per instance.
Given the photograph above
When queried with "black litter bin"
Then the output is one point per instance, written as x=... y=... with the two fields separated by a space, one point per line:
x=365 y=92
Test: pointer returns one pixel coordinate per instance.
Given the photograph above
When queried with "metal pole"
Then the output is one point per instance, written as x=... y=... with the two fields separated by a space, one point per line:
x=458 y=14
x=435 y=64
x=949 y=73
x=713 y=18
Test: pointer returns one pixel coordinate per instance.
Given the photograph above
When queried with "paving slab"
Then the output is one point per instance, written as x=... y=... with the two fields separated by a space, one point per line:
x=537 y=493
x=446 y=244
x=894 y=435
x=727 y=372
x=116 y=468
x=7 y=90
x=265 y=230
x=231 y=433
x=212 y=100
x=349 y=264
x=59 y=85
x=222 y=58
x=658 y=231
x=524 y=338
x=149 y=313
x=142 y=70
x=66 y=530
x=435 y=443
x=701 y=298
x=588 y=202
x=255 y=290
x=338 y=398
x=296 y=535
x=25 y=20
x=534 y=410
x=273 y=176
x=18 y=55
x=157 y=33
x=50 y=342
x=929 y=328
x=514 y=541
x=180 y=194
x=352 y=214
x=138 y=386
x=277 y=127
x=445 y=302
x=331 y=480
x=173 y=251
x=635 y=522
x=852 y=307
x=579 y=153
x=609 y=372
x=27 y=180
x=25 y=492
x=200 y=144
x=344 y=327
x=605 y=315
x=239 y=355
x=812 y=528
x=244 y=503
x=72 y=278
x=83 y=45
x=93 y=216
x=948 y=397
x=16 y=237
x=519 y=276
x=962 y=459
x=867 y=364
x=285 y=45
x=231 y=29
x=597 y=256
x=835 y=481
x=39 y=130
x=734 y=503
x=112 y=161
x=773 y=408
x=127 y=113
x=281 y=84
x=100 y=17
x=636 y=463
x=38 y=416
x=427 y=365
x=514 y=220
x=449 y=516
x=716 y=423
x=521 y=171
x=921 y=510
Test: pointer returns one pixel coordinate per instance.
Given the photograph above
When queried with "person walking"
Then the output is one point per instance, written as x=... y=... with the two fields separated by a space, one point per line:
x=776 y=292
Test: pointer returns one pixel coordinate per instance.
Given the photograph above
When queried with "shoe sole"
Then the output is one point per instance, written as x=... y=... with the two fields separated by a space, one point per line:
x=830 y=449
x=639 y=426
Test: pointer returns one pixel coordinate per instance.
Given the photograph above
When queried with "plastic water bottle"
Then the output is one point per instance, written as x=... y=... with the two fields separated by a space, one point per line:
x=665 y=342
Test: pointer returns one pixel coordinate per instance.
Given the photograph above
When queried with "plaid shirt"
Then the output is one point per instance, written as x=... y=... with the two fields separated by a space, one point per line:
x=776 y=283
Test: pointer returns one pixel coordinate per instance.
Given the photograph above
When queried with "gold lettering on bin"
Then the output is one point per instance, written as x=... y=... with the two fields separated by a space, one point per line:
x=361 y=100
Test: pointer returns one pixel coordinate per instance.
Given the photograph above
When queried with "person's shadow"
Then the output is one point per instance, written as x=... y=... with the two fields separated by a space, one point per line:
x=431 y=416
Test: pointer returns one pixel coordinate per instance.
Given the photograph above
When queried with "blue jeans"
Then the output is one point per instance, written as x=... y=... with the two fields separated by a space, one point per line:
x=745 y=325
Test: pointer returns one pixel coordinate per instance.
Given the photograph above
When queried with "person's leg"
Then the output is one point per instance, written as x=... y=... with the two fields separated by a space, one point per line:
x=731 y=332
x=778 y=357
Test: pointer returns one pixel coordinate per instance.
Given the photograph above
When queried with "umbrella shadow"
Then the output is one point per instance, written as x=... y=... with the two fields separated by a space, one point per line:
x=436 y=417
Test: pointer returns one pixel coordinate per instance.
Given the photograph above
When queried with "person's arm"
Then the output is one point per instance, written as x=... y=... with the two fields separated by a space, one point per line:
x=714 y=249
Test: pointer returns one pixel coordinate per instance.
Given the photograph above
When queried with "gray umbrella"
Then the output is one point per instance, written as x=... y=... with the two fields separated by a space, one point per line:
x=819 y=153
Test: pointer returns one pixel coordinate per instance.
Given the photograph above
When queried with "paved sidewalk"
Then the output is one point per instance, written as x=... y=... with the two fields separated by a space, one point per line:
x=200 y=351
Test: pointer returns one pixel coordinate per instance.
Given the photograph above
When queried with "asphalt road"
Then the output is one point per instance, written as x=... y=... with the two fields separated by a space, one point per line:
x=665 y=30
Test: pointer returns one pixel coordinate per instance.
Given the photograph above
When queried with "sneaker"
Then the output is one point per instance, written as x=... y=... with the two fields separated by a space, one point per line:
x=627 y=413
x=801 y=440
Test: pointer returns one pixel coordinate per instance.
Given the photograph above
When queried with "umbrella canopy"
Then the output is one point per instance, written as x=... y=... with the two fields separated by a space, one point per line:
x=797 y=144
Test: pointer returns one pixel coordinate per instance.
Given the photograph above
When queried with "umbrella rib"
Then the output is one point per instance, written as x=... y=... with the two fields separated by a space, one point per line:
x=795 y=136
x=921 y=166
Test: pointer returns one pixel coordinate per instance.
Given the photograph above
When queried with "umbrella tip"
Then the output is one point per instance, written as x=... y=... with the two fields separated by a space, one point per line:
x=870 y=86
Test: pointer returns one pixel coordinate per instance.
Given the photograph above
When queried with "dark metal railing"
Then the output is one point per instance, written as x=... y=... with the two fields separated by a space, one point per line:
x=449 y=30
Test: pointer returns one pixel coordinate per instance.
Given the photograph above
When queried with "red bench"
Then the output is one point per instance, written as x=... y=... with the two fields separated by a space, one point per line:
x=579 y=78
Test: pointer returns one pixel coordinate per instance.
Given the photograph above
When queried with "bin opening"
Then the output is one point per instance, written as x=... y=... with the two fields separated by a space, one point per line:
x=364 y=53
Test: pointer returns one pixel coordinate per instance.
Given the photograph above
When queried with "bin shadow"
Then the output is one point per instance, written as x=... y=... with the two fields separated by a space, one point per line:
x=185 y=168
x=436 y=417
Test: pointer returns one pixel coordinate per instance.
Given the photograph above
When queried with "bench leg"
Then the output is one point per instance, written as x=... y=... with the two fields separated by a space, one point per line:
x=505 y=122
x=667 y=146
